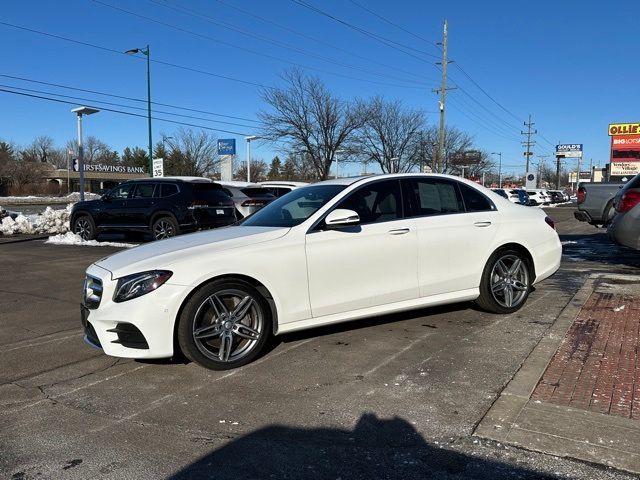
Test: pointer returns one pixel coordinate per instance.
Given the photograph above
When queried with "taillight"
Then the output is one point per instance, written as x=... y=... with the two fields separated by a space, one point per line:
x=550 y=222
x=628 y=200
x=198 y=204
x=581 y=195
x=254 y=203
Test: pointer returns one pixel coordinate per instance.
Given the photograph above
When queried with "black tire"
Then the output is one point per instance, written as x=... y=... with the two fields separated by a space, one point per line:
x=506 y=282
x=164 y=227
x=209 y=313
x=609 y=213
x=85 y=227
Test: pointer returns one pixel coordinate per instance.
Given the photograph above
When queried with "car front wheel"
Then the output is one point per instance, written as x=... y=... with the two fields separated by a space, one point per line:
x=164 y=227
x=84 y=227
x=505 y=283
x=226 y=324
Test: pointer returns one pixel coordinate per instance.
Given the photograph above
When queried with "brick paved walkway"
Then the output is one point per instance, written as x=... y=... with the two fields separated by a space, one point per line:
x=597 y=366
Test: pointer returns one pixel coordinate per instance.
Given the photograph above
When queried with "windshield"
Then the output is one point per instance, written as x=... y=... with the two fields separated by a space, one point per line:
x=293 y=208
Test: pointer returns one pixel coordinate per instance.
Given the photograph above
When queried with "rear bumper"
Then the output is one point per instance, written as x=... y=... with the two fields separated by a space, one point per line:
x=624 y=229
x=546 y=258
x=582 y=216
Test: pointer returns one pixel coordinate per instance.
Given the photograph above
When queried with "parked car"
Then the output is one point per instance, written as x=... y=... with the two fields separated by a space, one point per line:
x=538 y=196
x=280 y=187
x=520 y=196
x=163 y=207
x=247 y=197
x=556 y=196
x=501 y=191
x=595 y=202
x=330 y=252
x=625 y=226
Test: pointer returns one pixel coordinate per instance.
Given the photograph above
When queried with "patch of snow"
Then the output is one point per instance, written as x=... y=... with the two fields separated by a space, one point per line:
x=568 y=242
x=71 y=238
x=619 y=309
x=49 y=221
x=32 y=199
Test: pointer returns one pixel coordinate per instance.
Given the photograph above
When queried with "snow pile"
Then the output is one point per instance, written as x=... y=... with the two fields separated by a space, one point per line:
x=70 y=238
x=49 y=221
x=33 y=200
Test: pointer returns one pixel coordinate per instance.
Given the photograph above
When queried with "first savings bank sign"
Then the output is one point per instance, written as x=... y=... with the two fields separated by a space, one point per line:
x=109 y=168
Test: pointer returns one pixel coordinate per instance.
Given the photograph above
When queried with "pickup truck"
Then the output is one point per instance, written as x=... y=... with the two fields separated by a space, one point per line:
x=595 y=202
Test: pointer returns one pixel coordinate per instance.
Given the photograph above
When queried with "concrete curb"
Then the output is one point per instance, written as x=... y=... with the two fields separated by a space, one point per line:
x=562 y=431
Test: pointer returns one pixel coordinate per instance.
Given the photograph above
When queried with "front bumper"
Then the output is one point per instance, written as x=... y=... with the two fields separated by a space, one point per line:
x=125 y=329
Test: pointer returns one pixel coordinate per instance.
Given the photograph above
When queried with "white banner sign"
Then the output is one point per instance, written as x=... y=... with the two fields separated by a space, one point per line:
x=158 y=167
x=625 y=168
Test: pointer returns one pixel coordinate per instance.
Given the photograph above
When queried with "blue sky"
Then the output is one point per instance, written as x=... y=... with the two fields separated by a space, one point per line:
x=571 y=65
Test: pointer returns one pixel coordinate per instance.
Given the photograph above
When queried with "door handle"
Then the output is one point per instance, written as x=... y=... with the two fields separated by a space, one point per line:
x=482 y=224
x=399 y=231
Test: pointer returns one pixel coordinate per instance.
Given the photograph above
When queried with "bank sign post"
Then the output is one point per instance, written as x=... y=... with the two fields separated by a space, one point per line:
x=567 y=150
x=226 y=150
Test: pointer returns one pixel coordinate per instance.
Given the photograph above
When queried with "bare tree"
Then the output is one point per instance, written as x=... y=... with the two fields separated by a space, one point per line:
x=389 y=135
x=259 y=170
x=308 y=118
x=95 y=151
x=192 y=153
x=455 y=142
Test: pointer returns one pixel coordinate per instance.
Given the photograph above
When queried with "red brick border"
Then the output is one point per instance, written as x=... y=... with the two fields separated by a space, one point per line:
x=597 y=366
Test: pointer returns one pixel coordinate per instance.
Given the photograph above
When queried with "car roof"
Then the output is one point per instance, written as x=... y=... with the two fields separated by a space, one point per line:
x=233 y=183
x=282 y=183
x=174 y=179
x=365 y=178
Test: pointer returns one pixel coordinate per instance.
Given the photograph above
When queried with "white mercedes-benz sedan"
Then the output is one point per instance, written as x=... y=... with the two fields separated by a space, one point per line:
x=329 y=252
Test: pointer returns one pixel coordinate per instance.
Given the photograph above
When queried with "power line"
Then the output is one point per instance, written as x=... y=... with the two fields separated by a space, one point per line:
x=126 y=98
x=280 y=44
x=248 y=50
x=41 y=97
x=315 y=39
x=119 y=52
x=103 y=102
x=385 y=41
x=386 y=20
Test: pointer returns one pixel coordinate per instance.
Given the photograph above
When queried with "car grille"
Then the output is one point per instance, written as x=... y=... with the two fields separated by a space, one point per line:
x=92 y=292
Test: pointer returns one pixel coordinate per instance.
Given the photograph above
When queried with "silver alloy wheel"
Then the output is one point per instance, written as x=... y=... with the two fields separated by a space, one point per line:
x=509 y=281
x=83 y=228
x=163 y=229
x=228 y=325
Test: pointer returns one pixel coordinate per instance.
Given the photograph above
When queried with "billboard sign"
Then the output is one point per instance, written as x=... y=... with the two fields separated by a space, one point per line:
x=624 y=129
x=569 y=150
x=227 y=146
x=626 y=168
x=470 y=157
x=627 y=142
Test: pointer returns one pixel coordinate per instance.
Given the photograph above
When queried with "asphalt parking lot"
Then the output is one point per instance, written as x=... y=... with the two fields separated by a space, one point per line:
x=392 y=397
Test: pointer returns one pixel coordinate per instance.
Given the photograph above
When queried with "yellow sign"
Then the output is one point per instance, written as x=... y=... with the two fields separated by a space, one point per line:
x=624 y=129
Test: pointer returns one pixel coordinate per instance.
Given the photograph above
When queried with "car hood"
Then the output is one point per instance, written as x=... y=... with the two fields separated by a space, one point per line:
x=162 y=254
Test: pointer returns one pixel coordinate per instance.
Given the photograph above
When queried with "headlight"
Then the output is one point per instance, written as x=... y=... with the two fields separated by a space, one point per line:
x=138 y=284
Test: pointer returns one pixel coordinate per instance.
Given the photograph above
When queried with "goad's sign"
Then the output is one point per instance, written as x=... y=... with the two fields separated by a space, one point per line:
x=624 y=129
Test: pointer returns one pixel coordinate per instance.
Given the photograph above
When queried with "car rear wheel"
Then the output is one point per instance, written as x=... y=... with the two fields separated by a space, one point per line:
x=506 y=282
x=164 y=227
x=226 y=324
x=84 y=227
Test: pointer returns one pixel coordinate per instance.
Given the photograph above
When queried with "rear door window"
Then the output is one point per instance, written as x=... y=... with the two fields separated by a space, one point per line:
x=474 y=201
x=432 y=196
x=256 y=192
x=144 y=190
x=168 y=189
x=210 y=193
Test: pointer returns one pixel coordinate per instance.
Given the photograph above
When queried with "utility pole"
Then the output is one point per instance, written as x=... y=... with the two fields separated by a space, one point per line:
x=541 y=163
x=443 y=96
x=558 y=172
x=529 y=143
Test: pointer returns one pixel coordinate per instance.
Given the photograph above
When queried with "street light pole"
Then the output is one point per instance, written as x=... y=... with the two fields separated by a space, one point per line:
x=499 y=168
x=146 y=51
x=248 y=139
x=79 y=112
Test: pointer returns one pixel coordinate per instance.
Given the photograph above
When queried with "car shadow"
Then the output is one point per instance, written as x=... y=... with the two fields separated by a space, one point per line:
x=597 y=248
x=374 y=449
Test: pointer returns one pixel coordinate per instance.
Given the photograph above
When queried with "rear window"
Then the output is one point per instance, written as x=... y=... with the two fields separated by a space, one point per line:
x=168 y=189
x=256 y=192
x=209 y=192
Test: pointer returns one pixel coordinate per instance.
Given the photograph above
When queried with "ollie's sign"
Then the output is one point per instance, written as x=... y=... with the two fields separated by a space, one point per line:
x=624 y=129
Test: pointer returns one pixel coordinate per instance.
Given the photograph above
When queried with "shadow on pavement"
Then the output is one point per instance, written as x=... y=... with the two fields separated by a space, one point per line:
x=597 y=248
x=380 y=449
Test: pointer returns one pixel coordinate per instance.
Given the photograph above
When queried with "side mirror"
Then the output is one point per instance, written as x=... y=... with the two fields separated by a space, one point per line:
x=341 y=217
